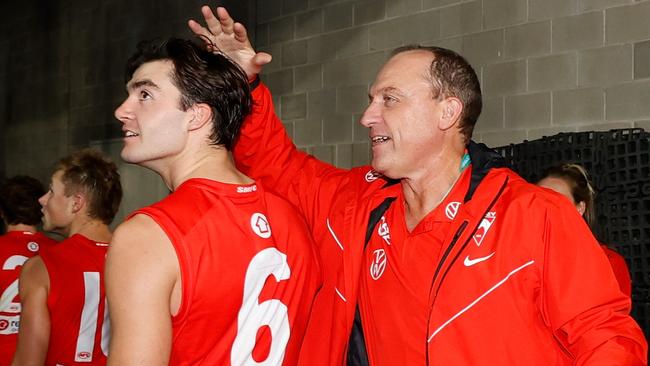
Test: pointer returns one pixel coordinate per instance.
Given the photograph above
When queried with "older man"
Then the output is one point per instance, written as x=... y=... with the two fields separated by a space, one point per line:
x=461 y=262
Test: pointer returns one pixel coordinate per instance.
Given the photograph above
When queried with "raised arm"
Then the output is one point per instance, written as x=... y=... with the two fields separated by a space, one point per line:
x=34 y=333
x=141 y=274
x=264 y=151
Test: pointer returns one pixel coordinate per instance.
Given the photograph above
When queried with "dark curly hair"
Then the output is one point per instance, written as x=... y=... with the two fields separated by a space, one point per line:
x=19 y=200
x=202 y=77
x=92 y=173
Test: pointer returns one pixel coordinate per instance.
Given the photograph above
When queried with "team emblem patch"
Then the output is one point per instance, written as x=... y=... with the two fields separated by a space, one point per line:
x=383 y=230
x=483 y=228
x=378 y=264
x=32 y=246
x=372 y=175
x=452 y=209
x=260 y=225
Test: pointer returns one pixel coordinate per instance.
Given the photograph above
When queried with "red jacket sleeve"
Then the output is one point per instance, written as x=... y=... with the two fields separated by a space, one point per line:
x=265 y=152
x=581 y=298
x=620 y=269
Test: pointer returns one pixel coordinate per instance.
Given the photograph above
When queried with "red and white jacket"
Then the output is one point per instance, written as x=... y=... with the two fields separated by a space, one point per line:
x=543 y=298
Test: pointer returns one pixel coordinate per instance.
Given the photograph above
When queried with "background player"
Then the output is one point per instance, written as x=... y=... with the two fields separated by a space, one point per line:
x=572 y=181
x=64 y=318
x=220 y=272
x=21 y=213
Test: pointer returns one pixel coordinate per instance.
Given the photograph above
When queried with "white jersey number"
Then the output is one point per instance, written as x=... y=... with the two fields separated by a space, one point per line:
x=254 y=315
x=88 y=324
x=7 y=303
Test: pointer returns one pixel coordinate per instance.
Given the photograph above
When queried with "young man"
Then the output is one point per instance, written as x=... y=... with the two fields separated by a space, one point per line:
x=220 y=272
x=21 y=213
x=64 y=320
x=462 y=262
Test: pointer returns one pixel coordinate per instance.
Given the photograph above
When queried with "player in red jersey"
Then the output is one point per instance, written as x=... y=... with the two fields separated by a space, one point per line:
x=21 y=213
x=220 y=272
x=64 y=320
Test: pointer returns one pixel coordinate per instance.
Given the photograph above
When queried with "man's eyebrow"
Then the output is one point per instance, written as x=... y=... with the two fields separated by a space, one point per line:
x=141 y=83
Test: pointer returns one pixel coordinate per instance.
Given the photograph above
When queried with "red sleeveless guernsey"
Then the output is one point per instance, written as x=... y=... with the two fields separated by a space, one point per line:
x=79 y=329
x=15 y=248
x=248 y=270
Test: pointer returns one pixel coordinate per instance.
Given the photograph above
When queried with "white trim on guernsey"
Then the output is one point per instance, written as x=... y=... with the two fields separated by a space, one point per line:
x=333 y=234
x=480 y=298
x=340 y=294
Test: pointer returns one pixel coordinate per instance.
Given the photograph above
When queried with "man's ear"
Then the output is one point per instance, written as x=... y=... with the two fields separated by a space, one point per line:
x=201 y=114
x=452 y=108
x=582 y=207
x=78 y=202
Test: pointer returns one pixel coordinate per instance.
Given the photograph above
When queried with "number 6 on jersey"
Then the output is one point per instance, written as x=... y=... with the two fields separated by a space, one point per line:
x=254 y=315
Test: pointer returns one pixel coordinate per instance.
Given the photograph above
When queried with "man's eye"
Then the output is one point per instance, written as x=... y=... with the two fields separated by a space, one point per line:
x=388 y=99
x=144 y=95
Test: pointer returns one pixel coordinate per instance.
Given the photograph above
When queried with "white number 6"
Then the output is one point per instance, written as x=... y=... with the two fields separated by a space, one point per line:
x=253 y=315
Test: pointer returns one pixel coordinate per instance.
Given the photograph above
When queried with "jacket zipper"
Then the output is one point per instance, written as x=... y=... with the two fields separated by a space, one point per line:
x=457 y=235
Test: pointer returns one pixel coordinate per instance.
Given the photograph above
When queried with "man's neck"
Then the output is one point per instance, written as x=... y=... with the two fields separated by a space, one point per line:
x=93 y=229
x=22 y=227
x=209 y=163
x=425 y=191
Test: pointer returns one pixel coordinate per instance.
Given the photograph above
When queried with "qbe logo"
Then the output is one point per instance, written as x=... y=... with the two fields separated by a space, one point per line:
x=378 y=264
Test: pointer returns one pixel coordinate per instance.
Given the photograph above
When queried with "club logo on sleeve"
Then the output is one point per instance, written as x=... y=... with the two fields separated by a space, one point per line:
x=32 y=246
x=383 y=230
x=372 y=175
x=4 y=324
x=484 y=227
x=260 y=225
x=452 y=209
x=378 y=264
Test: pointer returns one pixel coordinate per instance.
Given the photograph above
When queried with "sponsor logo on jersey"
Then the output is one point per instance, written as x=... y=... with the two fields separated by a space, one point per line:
x=84 y=355
x=32 y=246
x=452 y=209
x=246 y=189
x=260 y=225
x=378 y=264
x=9 y=324
x=484 y=227
x=372 y=175
x=383 y=230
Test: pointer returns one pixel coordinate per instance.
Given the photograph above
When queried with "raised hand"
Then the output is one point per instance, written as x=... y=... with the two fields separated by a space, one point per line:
x=231 y=39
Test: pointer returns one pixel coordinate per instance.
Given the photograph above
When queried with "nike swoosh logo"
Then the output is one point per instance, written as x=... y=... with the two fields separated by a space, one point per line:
x=470 y=262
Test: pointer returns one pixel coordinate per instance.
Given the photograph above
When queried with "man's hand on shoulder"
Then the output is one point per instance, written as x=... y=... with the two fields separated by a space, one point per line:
x=231 y=39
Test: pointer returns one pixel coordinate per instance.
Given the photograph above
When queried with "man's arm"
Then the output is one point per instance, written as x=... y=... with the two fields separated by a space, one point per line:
x=264 y=151
x=34 y=333
x=581 y=297
x=142 y=289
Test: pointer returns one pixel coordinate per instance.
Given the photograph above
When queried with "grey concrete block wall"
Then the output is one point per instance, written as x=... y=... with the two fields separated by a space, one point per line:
x=62 y=74
x=546 y=66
